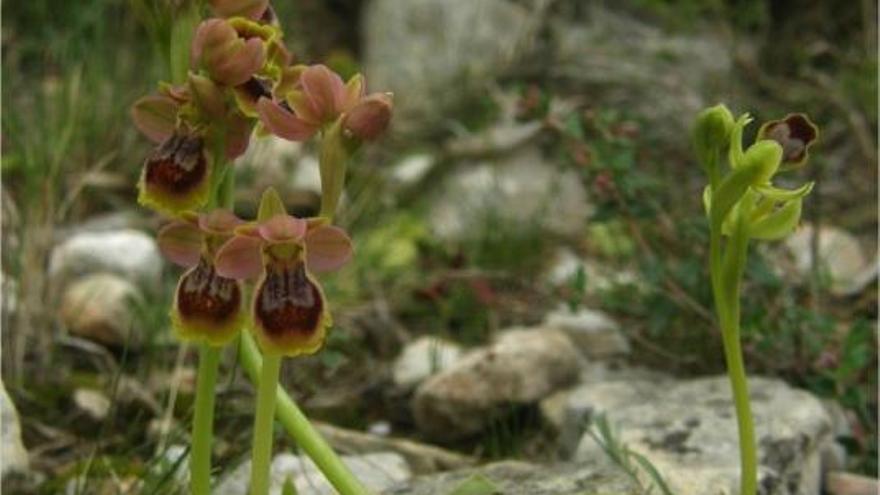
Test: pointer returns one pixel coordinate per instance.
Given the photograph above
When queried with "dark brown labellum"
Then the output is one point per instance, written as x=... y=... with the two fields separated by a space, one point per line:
x=207 y=297
x=178 y=166
x=794 y=134
x=287 y=303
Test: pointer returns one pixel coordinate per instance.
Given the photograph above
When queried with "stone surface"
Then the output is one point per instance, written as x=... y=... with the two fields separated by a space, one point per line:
x=565 y=264
x=519 y=190
x=622 y=61
x=841 y=258
x=418 y=49
x=422 y=358
x=687 y=429
x=99 y=307
x=92 y=402
x=411 y=169
x=595 y=333
x=12 y=451
x=132 y=254
x=519 y=478
x=840 y=483
x=520 y=368
x=377 y=471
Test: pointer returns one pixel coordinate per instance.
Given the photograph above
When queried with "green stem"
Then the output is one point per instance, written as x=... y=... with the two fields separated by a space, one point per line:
x=725 y=288
x=203 y=420
x=298 y=426
x=263 y=425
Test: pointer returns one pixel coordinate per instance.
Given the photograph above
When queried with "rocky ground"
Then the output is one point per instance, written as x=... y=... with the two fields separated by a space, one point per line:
x=514 y=290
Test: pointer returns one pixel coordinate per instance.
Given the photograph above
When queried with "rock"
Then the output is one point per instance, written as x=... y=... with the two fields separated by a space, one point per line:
x=519 y=478
x=565 y=265
x=411 y=169
x=422 y=358
x=128 y=253
x=99 y=307
x=840 y=483
x=105 y=222
x=520 y=190
x=687 y=429
x=593 y=332
x=418 y=49
x=14 y=455
x=421 y=458
x=377 y=471
x=92 y=402
x=621 y=61
x=520 y=368
x=841 y=259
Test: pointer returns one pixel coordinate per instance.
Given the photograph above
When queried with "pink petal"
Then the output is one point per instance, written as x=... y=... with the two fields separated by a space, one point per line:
x=283 y=123
x=238 y=135
x=239 y=258
x=237 y=68
x=327 y=248
x=325 y=89
x=181 y=243
x=155 y=116
x=219 y=221
x=283 y=228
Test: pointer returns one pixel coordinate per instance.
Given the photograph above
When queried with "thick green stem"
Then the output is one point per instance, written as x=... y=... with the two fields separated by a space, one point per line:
x=725 y=288
x=203 y=420
x=263 y=425
x=298 y=426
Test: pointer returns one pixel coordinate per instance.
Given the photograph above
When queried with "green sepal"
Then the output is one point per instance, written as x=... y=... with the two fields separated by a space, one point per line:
x=735 y=151
x=732 y=189
x=777 y=194
x=778 y=224
x=711 y=134
x=270 y=205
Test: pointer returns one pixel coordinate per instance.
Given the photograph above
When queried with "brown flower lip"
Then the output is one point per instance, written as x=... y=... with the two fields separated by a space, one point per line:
x=205 y=296
x=178 y=165
x=795 y=133
x=287 y=304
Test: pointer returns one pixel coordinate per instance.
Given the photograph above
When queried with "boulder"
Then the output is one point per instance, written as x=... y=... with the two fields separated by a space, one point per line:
x=422 y=358
x=520 y=478
x=841 y=261
x=419 y=49
x=100 y=307
x=128 y=253
x=13 y=453
x=687 y=430
x=595 y=333
x=377 y=471
x=520 y=368
x=521 y=189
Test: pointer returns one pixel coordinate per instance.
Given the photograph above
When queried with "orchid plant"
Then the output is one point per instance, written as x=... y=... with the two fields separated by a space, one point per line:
x=742 y=204
x=232 y=77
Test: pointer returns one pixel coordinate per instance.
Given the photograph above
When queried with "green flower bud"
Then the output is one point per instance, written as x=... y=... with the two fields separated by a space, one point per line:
x=712 y=133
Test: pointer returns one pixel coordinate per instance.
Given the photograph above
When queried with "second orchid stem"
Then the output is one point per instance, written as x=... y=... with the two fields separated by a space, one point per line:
x=263 y=425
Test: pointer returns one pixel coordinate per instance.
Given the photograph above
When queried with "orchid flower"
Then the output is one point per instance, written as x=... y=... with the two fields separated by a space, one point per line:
x=207 y=306
x=315 y=97
x=253 y=9
x=289 y=311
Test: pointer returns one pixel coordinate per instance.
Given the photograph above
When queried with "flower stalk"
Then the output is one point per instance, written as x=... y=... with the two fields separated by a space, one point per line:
x=203 y=420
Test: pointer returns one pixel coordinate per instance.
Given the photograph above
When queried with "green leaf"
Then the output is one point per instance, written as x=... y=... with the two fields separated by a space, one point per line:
x=731 y=190
x=652 y=471
x=778 y=224
x=476 y=484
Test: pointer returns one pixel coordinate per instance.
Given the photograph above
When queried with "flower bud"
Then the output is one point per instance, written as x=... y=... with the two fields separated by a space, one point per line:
x=712 y=133
x=227 y=57
x=369 y=118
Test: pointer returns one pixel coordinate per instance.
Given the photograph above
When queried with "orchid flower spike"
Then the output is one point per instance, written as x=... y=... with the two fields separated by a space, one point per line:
x=289 y=312
x=207 y=306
